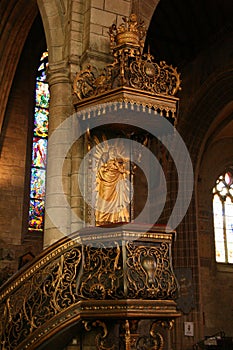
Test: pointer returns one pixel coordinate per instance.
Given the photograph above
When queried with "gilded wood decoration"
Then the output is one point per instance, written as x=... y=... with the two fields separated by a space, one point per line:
x=131 y=70
x=111 y=167
x=101 y=337
x=149 y=272
x=108 y=276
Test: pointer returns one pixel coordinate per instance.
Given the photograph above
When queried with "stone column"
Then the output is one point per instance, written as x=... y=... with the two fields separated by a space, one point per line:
x=57 y=214
x=77 y=202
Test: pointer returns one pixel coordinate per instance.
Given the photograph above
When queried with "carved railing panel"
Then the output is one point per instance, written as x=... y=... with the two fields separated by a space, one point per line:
x=149 y=272
x=39 y=296
x=130 y=275
x=102 y=274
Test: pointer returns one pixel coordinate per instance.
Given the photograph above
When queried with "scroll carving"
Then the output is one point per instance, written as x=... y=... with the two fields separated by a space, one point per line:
x=48 y=292
x=131 y=68
x=101 y=338
x=102 y=274
x=149 y=272
x=103 y=278
x=142 y=74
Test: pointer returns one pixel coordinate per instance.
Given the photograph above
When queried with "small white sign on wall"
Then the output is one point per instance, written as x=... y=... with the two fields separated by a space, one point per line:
x=189 y=329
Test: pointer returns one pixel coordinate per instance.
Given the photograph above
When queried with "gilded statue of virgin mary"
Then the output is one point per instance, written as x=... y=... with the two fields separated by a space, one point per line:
x=112 y=185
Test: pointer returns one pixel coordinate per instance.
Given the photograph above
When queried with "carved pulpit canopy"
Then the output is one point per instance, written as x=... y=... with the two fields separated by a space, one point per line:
x=133 y=76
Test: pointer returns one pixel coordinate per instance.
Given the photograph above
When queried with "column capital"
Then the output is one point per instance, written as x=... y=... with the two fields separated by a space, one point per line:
x=58 y=72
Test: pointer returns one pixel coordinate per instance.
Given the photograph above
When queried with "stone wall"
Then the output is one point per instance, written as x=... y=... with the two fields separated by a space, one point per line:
x=216 y=279
x=16 y=140
x=205 y=111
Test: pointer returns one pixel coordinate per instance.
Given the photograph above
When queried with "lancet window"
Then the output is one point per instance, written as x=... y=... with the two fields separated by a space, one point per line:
x=39 y=149
x=223 y=217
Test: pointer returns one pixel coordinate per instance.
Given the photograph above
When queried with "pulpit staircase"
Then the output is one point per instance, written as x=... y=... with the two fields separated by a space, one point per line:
x=117 y=289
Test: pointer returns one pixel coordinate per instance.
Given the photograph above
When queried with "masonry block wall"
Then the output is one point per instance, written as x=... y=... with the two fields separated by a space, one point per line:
x=205 y=111
x=16 y=140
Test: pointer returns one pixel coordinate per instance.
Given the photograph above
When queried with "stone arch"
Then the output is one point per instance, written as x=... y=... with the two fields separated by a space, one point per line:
x=15 y=26
x=220 y=128
x=216 y=155
x=146 y=9
x=210 y=101
x=53 y=14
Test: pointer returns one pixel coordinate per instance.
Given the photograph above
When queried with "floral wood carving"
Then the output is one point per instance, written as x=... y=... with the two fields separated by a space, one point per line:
x=70 y=280
x=130 y=68
x=149 y=272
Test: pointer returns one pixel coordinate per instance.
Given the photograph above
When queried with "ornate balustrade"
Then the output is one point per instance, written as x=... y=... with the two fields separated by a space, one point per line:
x=121 y=273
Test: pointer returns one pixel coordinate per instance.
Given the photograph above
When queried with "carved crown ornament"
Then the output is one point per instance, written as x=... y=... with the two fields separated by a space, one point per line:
x=133 y=76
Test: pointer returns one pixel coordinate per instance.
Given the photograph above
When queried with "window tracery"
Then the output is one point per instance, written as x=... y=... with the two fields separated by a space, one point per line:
x=223 y=217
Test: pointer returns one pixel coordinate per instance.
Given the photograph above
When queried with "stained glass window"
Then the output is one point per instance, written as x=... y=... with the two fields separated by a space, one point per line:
x=39 y=149
x=223 y=217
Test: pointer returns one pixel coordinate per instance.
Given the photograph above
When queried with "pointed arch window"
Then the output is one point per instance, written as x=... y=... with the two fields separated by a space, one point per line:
x=39 y=149
x=223 y=217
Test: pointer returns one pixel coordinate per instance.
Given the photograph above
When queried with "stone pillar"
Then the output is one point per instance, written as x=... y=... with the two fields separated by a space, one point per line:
x=57 y=215
x=76 y=200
